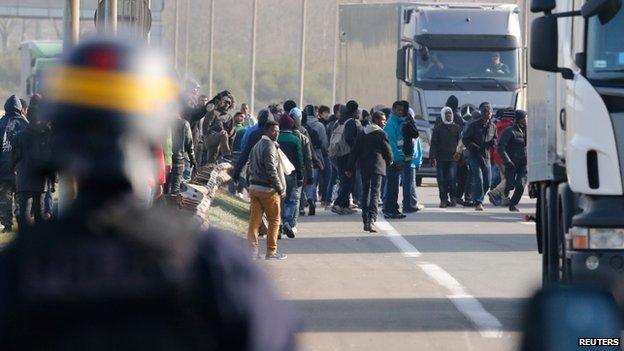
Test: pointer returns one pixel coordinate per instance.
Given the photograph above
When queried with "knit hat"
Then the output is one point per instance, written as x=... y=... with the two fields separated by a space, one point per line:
x=286 y=122
x=520 y=115
x=296 y=115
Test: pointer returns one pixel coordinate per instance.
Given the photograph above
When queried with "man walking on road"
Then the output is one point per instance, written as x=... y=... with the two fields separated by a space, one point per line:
x=479 y=138
x=513 y=151
x=267 y=187
x=371 y=154
x=290 y=144
x=443 y=146
x=395 y=136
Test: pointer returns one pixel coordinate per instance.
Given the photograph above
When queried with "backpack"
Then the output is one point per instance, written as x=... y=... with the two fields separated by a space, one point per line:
x=337 y=144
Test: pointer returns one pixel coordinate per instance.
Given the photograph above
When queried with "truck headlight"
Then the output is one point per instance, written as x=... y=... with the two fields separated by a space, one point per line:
x=606 y=238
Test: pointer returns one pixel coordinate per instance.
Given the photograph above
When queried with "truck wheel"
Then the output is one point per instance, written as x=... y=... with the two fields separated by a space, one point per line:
x=542 y=228
x=568 y=207
x=418 y=181
x=551 y=273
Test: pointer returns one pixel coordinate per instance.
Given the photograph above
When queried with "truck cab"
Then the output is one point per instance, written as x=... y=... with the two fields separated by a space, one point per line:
x=36 y=57
x=576 y=138
x=472 y=51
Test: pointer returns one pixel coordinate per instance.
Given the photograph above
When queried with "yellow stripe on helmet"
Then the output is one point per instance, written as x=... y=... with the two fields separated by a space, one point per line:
x=116 y=91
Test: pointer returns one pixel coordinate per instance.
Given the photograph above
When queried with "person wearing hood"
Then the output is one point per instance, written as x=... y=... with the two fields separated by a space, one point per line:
x=308 y=157
x=30 y=159
x=512 y=148
x=341 y=143
x=11 y=123
x=290 y=143
x=318 y=138
x=479 y=137
x=371 y=155
x=444 y=140
x=453 y=103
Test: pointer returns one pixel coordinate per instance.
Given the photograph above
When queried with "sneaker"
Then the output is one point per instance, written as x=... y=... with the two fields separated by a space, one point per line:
x=337 y=210
x=513 y=209
x=276 y=256
x=289 y=231
x=494 y=200
x=349 y=211
x=410 y=210
x=443 y=204
x=419 y=206
x=302 y=212
x=397 y=215
x=479 y=207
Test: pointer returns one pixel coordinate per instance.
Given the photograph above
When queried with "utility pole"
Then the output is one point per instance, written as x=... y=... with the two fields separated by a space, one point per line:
x=110 y=17
x=210 y=48
x=176 y=33
x=302 y=51
x=186 y=38
x=336 y=42
x=252 y=90
x=71 y=28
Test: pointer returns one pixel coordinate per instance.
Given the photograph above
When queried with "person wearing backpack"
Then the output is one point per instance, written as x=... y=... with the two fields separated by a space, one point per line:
x=341 y=142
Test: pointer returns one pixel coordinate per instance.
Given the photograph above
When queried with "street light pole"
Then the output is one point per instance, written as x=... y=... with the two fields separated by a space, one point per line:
x=210 y=48
x=186 y=38
x=176 y=32
x=252 y=90
x=336 y=40
x=71 y=30
x=302 y=51
x=110 y=17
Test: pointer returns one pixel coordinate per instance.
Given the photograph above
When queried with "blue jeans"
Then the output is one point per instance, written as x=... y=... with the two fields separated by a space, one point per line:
x=495 y=176
x=446 y=174
x=324 y=179
x=329 y=192
x=391 y=198
x=480 y=171
x=188 y=170
x=357 y=187
x=290 y=204
x=311 y=190
x=408 y=180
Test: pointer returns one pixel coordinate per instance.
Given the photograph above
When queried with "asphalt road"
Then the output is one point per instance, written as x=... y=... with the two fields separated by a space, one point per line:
x=441 y=279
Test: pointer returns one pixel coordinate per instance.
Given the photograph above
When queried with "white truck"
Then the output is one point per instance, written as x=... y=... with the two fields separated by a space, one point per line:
x=36 y=56
x=470 y=50
x=576 y=138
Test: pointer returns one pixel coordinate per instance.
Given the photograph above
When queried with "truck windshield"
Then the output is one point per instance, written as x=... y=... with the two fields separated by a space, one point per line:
x=468 y=70
x=605 y=49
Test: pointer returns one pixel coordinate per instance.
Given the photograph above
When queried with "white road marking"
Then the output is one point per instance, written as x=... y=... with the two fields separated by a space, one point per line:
x=504 y=218
x=487 y=324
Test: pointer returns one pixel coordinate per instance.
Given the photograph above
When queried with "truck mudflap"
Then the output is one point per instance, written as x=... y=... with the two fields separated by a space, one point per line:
x=602 y=267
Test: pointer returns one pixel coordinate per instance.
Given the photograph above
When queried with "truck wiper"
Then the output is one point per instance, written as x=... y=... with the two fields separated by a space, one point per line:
x=498 y=83
x=609 y=70
x=450 y=80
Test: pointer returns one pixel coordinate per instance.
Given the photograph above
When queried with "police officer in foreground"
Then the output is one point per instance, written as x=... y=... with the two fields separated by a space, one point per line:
x=110 y=274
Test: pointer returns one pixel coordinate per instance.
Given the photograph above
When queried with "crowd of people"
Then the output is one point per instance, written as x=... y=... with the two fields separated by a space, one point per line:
x=289 y=159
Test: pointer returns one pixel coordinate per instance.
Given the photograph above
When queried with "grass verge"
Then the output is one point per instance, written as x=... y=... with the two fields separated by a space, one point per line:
x=229 y=212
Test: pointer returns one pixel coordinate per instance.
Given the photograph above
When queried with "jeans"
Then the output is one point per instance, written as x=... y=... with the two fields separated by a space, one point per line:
x=371 y=188
x=517 y=180
x=345 y=188
x=6 y=203
x=357 y=187
x=446 y=174
x=480 y=170
x=48 y=201
x=311 y=190
x=188 y=170
x=264 y=203
x=462 y=180
x=391 y=199
x=496 y=176
x=408 y=180
x=29 y=204
x=290 y=204
x=333 y=179
x=324 y=179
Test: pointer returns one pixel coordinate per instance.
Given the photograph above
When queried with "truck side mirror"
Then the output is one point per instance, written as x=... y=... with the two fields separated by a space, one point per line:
x=404 y=62
x=545 y=46
x=604 y=9
x=542 y=5
x=571 y=318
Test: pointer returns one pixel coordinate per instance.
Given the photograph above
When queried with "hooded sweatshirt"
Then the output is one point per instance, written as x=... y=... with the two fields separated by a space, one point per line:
x=444 y=139
x=12 y=123
x=372 y=152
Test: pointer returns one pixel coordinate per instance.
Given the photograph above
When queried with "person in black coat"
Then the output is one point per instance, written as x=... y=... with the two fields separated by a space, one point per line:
x=30 y=159
x=512 y=148
x=444 y=142
x=372 y=154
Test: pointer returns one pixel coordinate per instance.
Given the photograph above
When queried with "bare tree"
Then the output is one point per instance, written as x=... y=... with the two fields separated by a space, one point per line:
x=6 y=28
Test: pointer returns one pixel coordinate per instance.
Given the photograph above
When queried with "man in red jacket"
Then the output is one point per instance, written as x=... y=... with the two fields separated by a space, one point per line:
x=497 y=195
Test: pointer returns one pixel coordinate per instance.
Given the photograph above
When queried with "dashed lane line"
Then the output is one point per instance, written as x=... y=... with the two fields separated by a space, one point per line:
x=486 y=323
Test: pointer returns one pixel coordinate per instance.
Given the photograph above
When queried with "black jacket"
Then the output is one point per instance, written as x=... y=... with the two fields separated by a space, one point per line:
x=512 y=146
x=479 y=138
x=444 y=141
x=182 y=142
x=10 y=125
x=31 y=157
x=371 y=152
x=410 y=132
x=351 y=132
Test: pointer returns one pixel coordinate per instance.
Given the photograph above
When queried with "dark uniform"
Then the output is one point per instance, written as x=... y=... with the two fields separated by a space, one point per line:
x=110 y=274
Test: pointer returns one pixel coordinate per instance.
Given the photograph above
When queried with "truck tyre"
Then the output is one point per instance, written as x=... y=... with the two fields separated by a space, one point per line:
x=551 y=247
x=542 y=230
